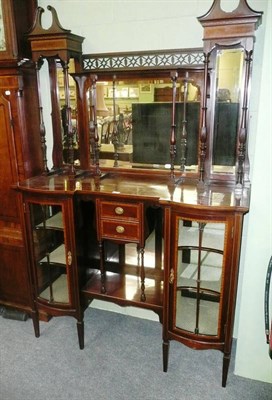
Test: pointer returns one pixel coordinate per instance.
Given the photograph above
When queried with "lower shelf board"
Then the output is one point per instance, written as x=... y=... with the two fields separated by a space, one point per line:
x=125 y=289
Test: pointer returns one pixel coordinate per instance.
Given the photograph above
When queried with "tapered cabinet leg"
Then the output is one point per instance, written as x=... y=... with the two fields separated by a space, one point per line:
x=36 y=323
x=80 y=332
x=165 y=354
x=102 y=267
x=226 y=362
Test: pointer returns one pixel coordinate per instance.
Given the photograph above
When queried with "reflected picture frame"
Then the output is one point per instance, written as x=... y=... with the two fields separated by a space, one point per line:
x=133 y=92
x=145 y=88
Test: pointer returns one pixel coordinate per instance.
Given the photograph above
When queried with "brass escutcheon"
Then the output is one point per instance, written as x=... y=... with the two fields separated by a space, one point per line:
x=69 y=258
x=172 y=276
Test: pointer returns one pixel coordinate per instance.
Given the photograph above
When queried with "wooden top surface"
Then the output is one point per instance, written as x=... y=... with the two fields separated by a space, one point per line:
x=156 y=189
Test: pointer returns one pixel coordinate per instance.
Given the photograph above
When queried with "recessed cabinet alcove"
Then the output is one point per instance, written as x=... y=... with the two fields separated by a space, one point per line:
x=145 y=202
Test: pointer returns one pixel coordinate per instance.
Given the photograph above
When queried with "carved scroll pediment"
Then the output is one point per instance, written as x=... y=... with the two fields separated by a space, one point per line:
x=56 y=27
x=54 y=41
x=241 y=22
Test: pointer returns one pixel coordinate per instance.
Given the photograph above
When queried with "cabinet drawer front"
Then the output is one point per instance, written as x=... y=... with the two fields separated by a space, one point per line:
x=120 y=230
x=119 y=210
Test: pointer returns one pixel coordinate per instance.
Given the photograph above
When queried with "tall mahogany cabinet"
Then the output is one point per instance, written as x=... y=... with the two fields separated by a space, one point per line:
x=20 y=154
x=114 y=223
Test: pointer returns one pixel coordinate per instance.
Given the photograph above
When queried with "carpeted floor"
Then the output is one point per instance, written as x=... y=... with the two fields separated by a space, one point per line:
x=122 y=360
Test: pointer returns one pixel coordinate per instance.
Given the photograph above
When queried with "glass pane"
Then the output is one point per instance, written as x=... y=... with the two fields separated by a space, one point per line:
x=68 y=110
x=229 y=70
x=199 y=274
x=136 y=114
x=49 y=252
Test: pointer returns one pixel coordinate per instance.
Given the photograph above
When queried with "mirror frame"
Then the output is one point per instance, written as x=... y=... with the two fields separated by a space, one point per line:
x=162 y=64
x=236 y=28
x=221 y=29
x=229 y=30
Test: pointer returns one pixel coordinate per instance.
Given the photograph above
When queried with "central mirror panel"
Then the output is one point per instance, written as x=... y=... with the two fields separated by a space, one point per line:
x=137 y=116
x=135 y=119
x=199 y=276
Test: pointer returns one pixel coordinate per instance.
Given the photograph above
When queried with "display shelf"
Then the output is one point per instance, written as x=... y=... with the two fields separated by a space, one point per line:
x=57 y=256
x=60 y=290
x=54 y=222
x=125 y=289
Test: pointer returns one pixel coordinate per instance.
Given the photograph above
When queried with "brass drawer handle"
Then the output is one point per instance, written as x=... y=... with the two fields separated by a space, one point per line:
x=120 y=229
x=119 y=210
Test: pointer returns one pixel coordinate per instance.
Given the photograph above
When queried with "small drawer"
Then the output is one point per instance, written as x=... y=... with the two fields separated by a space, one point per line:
x=119 y=210
x=120 y=230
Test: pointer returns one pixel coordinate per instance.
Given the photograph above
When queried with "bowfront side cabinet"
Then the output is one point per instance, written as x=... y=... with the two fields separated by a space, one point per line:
x=201 y=279
x=50 y=233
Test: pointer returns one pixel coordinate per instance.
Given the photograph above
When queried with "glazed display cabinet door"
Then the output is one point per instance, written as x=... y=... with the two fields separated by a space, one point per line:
x=52 y=258
x=202 y=278
x=197 y=293
x=54 y=267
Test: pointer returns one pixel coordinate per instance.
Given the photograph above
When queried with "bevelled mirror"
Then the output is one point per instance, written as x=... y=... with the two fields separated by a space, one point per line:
x=136 y=115
x=68 y=105
x=228 y=47
x=145 y=103
x=228 y=91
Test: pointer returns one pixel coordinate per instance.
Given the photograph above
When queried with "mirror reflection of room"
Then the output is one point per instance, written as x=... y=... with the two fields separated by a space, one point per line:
x=63 y=110
x=140 y=111
x=229 y=73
